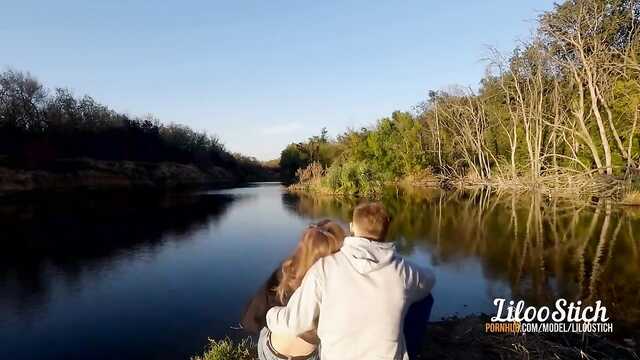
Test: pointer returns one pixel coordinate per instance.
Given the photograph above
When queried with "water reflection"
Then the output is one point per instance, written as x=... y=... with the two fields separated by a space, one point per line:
x=134 y=276
x=541 y=248
x=72 y=234
x=152 y=277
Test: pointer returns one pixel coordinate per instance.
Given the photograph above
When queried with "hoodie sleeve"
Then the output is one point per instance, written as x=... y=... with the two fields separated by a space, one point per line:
x=303 y=308
x=419 y=282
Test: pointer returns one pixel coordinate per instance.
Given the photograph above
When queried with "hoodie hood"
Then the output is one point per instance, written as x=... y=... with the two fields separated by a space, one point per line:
x=366 y=255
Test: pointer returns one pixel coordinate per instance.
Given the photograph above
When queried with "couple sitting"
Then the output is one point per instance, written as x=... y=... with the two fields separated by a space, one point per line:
x=339 y=297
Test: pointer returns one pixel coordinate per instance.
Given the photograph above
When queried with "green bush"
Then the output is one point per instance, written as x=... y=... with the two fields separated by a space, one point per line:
x=226 y=349
x=352 y=177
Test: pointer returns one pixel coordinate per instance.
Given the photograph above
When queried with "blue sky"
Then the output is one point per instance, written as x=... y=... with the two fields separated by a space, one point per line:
x=260 y=74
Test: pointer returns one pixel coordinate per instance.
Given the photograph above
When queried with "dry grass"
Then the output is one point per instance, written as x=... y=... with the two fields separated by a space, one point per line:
x=631 y=198
x=421 y=178
x=561 y=184
x=556 y=183
x=313 y=172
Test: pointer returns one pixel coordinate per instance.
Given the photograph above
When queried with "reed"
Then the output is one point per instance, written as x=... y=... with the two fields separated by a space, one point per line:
x=631 y=198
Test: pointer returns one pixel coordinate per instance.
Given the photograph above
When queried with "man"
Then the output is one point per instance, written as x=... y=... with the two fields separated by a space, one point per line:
x=357 y=297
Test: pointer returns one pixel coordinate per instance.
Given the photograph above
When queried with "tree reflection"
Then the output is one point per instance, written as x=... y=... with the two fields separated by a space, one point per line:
x=543 y=248
x=72 y=234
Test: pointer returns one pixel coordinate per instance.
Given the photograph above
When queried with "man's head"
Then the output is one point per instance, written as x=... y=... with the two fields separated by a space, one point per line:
x=371 y=221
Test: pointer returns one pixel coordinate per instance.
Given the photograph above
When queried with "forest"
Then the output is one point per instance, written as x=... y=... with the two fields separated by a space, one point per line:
x=39 y=126
x=559 y=113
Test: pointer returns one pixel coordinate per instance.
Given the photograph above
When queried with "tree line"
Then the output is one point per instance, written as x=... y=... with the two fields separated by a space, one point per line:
x=38 y=126
x=564 y=105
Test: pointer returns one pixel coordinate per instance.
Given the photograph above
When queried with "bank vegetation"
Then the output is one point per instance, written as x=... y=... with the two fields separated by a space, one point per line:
x=54 y=139
x=560 y=113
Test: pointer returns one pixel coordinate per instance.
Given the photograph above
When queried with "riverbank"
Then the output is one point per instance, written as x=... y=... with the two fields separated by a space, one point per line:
x=360 y=182
x=89 y=174
x=465 y=338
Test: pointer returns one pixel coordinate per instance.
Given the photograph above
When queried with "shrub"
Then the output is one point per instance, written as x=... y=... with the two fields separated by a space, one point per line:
x=313 y=172
x=352 y=177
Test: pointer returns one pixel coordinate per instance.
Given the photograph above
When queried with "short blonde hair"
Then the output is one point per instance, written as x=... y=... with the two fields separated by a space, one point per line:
x=372 y=220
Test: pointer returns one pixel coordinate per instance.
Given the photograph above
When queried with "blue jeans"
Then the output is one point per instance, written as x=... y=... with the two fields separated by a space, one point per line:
x=415 y=325
x=266 y=352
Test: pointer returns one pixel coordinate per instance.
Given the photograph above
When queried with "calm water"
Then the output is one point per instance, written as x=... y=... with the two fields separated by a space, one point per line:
x=106 y=276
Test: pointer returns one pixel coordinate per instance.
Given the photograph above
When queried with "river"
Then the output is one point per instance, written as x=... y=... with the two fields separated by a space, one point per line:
x=149 y=276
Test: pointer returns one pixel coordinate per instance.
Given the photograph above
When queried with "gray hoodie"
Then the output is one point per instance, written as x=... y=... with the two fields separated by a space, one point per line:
x=357 y=299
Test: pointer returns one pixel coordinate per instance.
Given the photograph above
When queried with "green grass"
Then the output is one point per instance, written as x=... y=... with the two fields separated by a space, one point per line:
x=226 y=349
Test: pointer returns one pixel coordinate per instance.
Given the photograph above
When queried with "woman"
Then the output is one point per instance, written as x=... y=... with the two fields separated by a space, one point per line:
x=319 y=240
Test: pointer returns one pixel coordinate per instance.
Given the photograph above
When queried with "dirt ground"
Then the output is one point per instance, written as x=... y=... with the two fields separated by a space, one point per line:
x=465 y=338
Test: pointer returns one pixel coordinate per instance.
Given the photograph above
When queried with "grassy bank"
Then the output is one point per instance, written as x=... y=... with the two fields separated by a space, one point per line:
x=465 y=338
x=227 y=349
x=355 y=178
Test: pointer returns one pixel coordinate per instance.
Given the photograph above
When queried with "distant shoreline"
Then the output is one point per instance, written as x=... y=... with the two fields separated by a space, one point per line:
x=89 y=174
